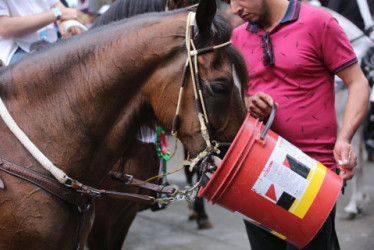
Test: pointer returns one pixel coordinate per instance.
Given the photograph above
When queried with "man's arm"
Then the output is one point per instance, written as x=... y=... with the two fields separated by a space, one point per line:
x=11 y=27
x=355 y=111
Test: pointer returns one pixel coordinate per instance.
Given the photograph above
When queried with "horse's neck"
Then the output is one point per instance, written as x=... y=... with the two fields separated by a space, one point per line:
x=80 y=115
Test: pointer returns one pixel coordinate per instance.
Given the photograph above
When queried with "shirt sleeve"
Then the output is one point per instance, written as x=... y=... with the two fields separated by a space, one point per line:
x=52 y=2
x=338 y=53
x=4 y=10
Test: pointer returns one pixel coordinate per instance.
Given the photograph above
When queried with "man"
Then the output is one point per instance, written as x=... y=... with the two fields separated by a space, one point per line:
x=21 y=23
x=292 y=52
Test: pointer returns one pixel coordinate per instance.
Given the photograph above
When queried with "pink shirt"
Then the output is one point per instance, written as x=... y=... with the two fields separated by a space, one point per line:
x=309 y=48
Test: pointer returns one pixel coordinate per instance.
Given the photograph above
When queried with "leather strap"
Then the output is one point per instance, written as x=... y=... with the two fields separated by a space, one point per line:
x=81 y=188
x=47 y=183
x=74 y=192
x=130 y=180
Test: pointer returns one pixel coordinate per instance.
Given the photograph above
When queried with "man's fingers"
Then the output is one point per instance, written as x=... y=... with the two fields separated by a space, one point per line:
x=267 y=100
x=346 y=158
x=347 y=174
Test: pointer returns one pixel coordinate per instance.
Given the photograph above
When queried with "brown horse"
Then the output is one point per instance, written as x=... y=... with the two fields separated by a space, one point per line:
x=82 y=101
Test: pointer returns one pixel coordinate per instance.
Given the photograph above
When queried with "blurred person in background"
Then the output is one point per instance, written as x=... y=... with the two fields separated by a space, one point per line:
x=23 y=22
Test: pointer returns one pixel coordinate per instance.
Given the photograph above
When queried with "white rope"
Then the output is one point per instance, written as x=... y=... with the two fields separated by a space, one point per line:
x=194 y=69
x=68 y=25
x=27 y=143
x=189 y=42
x=193 y=65
x=222 y=45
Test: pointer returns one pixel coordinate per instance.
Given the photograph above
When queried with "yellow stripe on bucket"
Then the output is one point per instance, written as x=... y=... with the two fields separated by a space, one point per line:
x=311 y=192
x=279 y=235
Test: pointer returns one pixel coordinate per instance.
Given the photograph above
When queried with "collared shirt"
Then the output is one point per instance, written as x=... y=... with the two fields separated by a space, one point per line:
x=309 y=48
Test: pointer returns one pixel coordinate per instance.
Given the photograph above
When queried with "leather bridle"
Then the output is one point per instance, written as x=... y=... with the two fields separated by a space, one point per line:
x=192 y=64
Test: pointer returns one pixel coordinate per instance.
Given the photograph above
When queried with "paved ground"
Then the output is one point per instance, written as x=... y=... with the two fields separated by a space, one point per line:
x=170 y=229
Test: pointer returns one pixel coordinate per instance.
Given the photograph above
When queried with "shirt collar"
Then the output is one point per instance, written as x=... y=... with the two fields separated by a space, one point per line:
x=292 y=14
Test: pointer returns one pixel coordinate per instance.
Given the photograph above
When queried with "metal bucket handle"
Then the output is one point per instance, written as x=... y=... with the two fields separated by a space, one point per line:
x=269 y=123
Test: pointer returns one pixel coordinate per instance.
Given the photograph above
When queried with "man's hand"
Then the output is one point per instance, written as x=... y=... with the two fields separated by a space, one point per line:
x=346 y=158
x=259 y=105
x=67 y=13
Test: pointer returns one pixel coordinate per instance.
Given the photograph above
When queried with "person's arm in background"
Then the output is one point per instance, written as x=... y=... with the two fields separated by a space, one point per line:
x=11 y=27
x=355 y=111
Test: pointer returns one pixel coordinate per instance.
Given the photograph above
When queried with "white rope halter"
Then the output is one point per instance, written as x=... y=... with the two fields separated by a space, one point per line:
x=192 y=62
x=30 y=146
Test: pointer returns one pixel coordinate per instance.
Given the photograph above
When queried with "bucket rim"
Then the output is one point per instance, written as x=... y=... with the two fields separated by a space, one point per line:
x=240 y=158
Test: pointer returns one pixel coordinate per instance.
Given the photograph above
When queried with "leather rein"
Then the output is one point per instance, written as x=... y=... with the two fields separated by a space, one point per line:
x=78 y=194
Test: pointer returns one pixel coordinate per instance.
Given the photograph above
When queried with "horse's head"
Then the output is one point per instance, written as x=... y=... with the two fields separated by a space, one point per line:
x=219 y=83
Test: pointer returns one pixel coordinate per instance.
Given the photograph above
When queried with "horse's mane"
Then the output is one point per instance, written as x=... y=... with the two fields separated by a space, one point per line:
x=121 y=9
x=144 y=17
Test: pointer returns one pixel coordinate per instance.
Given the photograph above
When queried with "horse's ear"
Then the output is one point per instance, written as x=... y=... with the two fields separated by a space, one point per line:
x=204 y=15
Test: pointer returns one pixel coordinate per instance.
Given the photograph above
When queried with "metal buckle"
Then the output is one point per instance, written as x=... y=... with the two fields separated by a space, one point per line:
x=90 y=191
x=69 y=181
x=129 y=179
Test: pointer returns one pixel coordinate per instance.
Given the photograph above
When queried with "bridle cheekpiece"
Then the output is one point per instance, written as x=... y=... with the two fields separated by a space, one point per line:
x=192 y=64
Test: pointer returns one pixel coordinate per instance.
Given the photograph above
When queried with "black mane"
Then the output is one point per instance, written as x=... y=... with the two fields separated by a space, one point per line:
x=121 y=9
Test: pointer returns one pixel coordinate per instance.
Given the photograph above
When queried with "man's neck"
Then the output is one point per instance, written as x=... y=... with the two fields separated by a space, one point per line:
x=276 y=10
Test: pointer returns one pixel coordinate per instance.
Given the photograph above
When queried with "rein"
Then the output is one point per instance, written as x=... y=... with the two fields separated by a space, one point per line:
x=192 y=64
x=79 y=195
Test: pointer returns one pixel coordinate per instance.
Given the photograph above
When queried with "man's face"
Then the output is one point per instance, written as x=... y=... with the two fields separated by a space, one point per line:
x=252 y=11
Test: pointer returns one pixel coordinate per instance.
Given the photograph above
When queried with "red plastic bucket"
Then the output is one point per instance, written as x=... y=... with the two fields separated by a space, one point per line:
x=274 y=185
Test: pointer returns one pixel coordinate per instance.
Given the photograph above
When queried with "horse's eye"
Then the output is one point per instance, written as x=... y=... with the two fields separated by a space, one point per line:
x=220 y=89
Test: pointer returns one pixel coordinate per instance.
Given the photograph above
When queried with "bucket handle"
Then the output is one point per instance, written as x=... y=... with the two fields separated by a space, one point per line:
x=270 y=121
